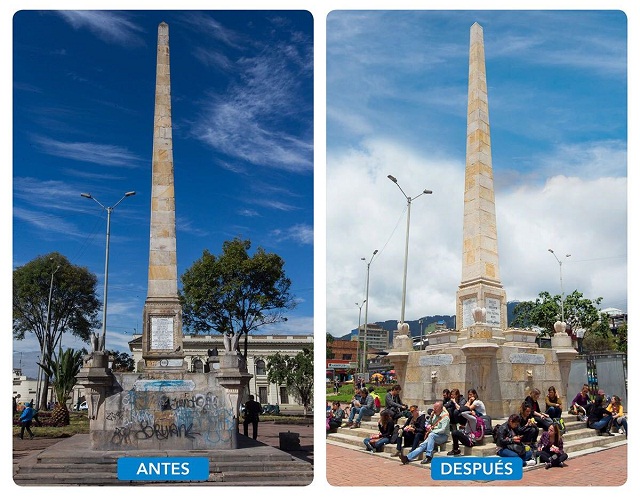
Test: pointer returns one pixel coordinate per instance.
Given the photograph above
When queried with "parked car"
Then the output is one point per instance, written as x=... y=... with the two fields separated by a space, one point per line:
x=84 y=406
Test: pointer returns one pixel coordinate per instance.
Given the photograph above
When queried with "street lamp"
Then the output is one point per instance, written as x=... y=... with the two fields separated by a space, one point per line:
x=359 y=305
x=40 y=382
x=366 y=316
x=99 y=343
x=561 y=287
x=421 y=330
x=406 y=250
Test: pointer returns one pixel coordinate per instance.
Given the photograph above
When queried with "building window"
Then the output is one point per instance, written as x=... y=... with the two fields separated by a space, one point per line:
x=262 y=394
x=261 y=368
x=284 y=395
x=346 y=356
x=198 y=366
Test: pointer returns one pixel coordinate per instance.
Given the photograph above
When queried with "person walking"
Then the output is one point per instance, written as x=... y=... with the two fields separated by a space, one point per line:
x=25 y=420
x=252 y=411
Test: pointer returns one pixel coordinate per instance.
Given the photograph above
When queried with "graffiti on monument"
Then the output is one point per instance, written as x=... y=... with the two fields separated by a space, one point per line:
x=154 y=409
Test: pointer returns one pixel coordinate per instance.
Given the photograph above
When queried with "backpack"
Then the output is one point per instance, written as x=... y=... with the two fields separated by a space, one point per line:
x=376 y=403
x=494 y=433
x=478 y=434
x=561 y=425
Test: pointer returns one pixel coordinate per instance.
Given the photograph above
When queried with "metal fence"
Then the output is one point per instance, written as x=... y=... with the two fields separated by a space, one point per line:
x=605 y=371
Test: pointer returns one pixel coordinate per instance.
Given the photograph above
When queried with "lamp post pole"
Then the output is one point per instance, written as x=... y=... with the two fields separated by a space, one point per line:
x=561 y=286
x=359 y=305
x=366 y=316
x=99 y=343
x=406 y=247
x=421 y=338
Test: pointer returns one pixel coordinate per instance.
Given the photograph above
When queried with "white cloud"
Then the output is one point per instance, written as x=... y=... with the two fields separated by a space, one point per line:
x=365 y=211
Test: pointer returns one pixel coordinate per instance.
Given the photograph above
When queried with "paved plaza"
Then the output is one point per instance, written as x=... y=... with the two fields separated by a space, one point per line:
x=605 y=468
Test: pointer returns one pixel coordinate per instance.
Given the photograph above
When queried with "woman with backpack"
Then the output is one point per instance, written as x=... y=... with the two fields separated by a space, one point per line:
x=467 y=437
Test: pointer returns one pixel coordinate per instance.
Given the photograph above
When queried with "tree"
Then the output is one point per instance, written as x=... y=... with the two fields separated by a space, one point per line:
x=296 y=373
x=63 y=369
x=330 y=340
x=74 y=304
x=235 y=293
x=122 y=362
x=546 y=310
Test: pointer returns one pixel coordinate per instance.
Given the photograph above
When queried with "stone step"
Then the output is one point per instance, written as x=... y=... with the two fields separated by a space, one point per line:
x=578 y=438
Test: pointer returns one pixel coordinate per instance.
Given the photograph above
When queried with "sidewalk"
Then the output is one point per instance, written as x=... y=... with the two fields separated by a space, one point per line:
x=605 y=468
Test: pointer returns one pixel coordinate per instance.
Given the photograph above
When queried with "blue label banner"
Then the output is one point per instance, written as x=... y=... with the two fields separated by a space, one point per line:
x=174 y=469
x=476 y=468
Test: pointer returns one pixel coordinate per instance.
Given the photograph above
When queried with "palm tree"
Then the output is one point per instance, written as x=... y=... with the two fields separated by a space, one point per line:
x=63 y=368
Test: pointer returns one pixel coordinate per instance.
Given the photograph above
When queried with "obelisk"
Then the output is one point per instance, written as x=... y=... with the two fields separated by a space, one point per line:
x=162 y=321
x=480 y=286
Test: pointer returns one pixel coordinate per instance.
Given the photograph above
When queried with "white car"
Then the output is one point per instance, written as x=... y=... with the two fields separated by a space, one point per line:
x=84 y=406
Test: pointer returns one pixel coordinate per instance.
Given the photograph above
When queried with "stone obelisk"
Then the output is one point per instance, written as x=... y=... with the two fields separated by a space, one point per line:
x=480 y=287
x=162 y=322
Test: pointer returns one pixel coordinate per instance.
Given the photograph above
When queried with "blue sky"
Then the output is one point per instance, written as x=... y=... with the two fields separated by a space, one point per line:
x=242 y=108
x=396 y=104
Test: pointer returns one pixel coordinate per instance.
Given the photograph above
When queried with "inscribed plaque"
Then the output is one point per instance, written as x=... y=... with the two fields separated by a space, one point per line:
x=161 y=333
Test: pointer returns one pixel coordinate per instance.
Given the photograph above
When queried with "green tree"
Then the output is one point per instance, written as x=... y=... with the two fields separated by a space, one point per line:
x=330 y=339
x=547 y=309
x=122 y=361
x=235 y=293
x=621 y=338
x=296 y=373
x=74 y=304
x=63 y=369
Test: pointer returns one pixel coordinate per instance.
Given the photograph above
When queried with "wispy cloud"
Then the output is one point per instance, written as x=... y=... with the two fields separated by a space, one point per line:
x=46 y=221
x=111 y=27
x=248 y=121
x=248 y=213
x=90 y=152
x=187 y=226
x=274 y=204
x=300 y=233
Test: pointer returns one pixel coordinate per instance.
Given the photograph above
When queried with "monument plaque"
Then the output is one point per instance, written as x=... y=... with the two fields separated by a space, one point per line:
x=162 y=333
x=493 y=311
x=467 y=312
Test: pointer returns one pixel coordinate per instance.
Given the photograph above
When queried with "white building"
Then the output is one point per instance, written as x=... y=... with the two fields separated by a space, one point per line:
x=377 y=337
x=259 y=347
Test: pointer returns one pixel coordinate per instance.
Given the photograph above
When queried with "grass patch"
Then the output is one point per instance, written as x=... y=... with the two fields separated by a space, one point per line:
x=79 y=423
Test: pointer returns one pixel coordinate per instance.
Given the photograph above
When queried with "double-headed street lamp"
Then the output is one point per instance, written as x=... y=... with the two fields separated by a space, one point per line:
x=561 y=287
x=99 y=343
x=406 y=249
x=366 y=316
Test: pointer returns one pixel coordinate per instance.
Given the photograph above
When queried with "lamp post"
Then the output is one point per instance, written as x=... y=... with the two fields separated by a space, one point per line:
x=99 y=343
x=40 y=382
x=359 y=305
x=406 y=249
x=421 y=330
x=366 y=315
x=561 y=287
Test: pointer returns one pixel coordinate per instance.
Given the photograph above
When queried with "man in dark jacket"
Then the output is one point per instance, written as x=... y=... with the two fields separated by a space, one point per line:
x=252 y=411
x=510 y=445
x=361 y=409
x=412 y=432
x=599 y=418
x=393 y=403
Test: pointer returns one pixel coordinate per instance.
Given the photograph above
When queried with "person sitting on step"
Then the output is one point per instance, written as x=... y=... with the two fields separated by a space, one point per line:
x=599 y=418
x=527 y=427
x=509 y=444
x=393 y=403
x=553 y=403
x=437 y=433
x=466 y=437
x=580 y=403
x=542 y=418
x=377 y=441
x=550 y=447
x=412 y=433
x=361 y=409
x=617 y=413
x=476 y=410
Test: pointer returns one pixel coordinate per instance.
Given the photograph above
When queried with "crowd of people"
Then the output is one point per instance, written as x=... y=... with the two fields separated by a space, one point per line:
x=531 y=434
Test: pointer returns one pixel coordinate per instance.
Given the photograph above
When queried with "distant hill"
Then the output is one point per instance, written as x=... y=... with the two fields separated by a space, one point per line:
x=428 y=323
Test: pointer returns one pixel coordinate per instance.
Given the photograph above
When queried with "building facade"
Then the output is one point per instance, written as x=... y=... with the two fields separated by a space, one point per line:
x=259 y=348
x=377 y=337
